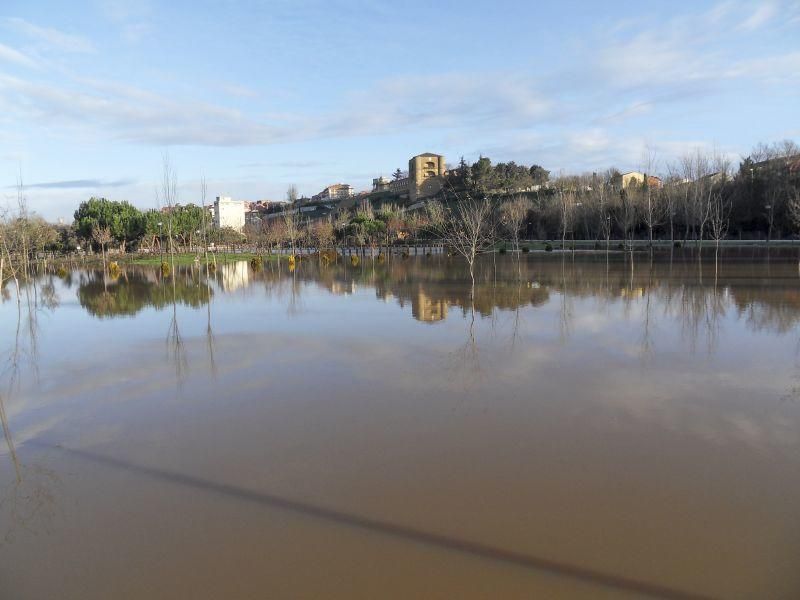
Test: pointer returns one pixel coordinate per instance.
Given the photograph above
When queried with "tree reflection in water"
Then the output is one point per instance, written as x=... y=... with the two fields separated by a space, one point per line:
x=138 y=289
x=434 y=287
x=29 y=501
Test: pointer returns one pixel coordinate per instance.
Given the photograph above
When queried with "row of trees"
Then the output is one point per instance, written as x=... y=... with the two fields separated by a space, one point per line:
x=698 y=197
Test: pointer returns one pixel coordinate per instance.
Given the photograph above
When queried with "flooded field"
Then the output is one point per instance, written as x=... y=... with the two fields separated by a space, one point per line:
x=583 y=427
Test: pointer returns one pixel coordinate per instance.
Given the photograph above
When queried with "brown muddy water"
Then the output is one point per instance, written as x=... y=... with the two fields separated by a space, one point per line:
x=591 y=429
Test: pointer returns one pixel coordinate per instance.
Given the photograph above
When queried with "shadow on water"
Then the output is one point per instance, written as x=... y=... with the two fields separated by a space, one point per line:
x=394 y=530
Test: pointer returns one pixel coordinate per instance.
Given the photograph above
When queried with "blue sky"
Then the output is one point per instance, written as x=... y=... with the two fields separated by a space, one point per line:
x=256 y=96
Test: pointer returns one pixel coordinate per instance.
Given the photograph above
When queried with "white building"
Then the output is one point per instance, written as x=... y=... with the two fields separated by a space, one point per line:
x=229 y=213
x=337 y=191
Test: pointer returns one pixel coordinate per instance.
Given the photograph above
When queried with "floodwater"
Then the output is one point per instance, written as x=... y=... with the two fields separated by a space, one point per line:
x=586 y=427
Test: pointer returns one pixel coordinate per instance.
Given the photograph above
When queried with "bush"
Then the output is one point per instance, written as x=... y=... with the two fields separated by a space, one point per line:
x=677 y=244
x=548 y=247
x=256 y=263
x=525 y=249
x=354 y=260
x=165 y=269
x=113 y=269
x=620 y=246
x=502 y=250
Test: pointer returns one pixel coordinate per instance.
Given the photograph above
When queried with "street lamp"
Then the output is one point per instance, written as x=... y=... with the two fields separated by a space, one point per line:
x=160 y=241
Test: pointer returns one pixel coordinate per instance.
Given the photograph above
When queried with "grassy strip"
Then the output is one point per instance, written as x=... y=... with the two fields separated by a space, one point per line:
x=189 y=258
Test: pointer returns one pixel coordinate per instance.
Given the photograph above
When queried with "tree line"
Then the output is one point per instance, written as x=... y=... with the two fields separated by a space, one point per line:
x=700 y=196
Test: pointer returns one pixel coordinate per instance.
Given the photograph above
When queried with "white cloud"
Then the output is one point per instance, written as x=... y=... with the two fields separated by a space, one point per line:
x=625 y=72
x=51 y=37
x=8 y=54
x=133 y=18
x=762 y=15
x=772 y=68
x=130 y=113
x=240 y=91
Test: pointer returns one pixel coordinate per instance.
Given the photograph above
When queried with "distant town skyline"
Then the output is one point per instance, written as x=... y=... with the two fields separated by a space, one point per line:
x=258 y=96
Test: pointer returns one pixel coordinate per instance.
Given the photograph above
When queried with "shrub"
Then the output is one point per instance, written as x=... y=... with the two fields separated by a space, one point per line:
x=620 y=246
x=525 y=249
x=256 y=263
x=677 y=244
x=502 y=250
x=548 y=247
x=113 y=269
x=62 y=272
x=165 y=269
x=354 y=260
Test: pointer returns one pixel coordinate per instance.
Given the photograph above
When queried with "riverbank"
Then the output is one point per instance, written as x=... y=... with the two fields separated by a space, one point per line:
x=189 y=258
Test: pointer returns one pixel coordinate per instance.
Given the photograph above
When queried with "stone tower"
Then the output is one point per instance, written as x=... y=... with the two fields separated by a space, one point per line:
x=426 y=175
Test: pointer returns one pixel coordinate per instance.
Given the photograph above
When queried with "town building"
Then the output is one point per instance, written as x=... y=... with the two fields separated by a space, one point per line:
x=380 y=184
x=337 y=191
x=637 y=178
x=229 y=213
x=427 y=309
x=425 y=178
x=426 y=173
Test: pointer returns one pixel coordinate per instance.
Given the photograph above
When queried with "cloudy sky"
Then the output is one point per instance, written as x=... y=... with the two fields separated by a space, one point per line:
x=258 y=95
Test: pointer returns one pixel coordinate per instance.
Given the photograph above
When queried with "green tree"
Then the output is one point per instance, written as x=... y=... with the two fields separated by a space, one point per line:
x=124 y=221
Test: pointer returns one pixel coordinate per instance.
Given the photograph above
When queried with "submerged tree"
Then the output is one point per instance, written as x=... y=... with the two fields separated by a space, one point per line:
x=513 y=215
x=102 y=236
x=466 y=226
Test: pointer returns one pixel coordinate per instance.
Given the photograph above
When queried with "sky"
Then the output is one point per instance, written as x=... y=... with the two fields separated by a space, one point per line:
x=256 y=96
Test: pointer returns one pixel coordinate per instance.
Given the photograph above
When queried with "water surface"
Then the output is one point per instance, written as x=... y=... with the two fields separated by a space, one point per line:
x=584 y=427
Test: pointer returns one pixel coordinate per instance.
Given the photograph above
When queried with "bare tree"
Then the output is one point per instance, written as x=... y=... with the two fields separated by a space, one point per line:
x=167 y=197
x=652 y=208
x=322 y=234
x=704 y=177
x=292 y=194
x=567 y=208
x=292 y=228
x=671 y=198
x=467 y=226
x=775 y=195
x=719 y=217
x=627 y=213
x=794 y=213
x=600 y=201
x=203 y=192
x=102 y=236
x=274 y=232
x=7 y=254
x=513 y=215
